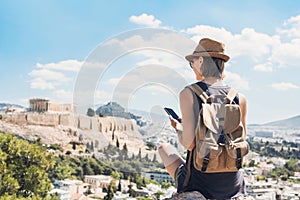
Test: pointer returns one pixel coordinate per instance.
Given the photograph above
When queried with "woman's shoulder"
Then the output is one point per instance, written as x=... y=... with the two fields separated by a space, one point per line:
x=186 y=94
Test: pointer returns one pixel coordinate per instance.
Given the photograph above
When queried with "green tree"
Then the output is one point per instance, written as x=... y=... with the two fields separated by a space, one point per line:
x=90 y=112
x=154 y=158
x=117 y=143
x=61 y=170
x=87 y=170
x=25 y=168
x=125 y=147
x=120 y=185
x=139 y=181
x=140 y=154
x=115 y=175
x=251 y=163
x=166 y=184
x=158 y=194
x=146 y=158
x=112 y=188
x=150 y=146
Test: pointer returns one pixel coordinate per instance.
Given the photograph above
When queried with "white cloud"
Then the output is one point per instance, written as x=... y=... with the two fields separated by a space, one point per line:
x=161 y=58
x=284 y=86
x=156 y=89
x=114 y=81
x=153 y=45
x=102 y=96
x=253 y=44
x=202 y=31
x=45 y=79
x=145 y=19
x=266 y=67
x=49 y=75
x=291 y=28
x=65 y=65
x=236 y=81
x=293 y=20
x=63 y=95
x=287 y=54
x=39 y=83
x=248 y=43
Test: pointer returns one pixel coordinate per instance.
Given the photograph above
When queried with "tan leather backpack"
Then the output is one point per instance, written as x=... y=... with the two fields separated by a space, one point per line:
x=220 y=136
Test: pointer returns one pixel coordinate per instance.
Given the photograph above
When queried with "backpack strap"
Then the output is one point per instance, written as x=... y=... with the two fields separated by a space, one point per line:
x=199 y=92
x=204 y=97
x=231 y=95
x=188 y=173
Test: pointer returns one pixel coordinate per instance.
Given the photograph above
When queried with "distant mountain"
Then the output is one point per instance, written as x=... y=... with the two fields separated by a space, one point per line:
x=116 y=110
x=8 y=105
x=290 y=122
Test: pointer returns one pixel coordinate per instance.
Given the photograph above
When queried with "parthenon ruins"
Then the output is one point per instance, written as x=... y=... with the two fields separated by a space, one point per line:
x=44 y=105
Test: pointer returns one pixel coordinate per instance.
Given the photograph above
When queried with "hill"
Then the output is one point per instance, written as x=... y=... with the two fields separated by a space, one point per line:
x=3 y=106
x=116 y=110
x=290 y=122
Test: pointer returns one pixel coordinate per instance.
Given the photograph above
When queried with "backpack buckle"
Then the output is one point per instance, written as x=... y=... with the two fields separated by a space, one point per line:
x=239 y=158
x=205 y=163
x=221 y=140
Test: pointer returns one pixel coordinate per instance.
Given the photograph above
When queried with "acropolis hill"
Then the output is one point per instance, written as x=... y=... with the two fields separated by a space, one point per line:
x=56 y=123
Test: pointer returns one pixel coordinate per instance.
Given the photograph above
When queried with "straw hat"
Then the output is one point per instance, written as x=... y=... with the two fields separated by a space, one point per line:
x=208 y=48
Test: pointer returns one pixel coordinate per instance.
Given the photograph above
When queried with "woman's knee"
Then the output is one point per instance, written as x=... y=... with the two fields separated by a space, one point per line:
x=162 y=147
x=168 y=153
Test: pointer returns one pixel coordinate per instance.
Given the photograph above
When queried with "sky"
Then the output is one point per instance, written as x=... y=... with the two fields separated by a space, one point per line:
x=133 y=52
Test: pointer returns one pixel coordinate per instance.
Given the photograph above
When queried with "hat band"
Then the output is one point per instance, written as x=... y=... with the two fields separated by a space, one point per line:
x=195 y=52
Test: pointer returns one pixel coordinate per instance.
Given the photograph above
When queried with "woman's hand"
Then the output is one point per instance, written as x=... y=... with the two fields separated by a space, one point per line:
x=173 y=123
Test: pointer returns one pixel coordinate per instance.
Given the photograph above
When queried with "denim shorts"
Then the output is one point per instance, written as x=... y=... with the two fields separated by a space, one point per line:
x=179 y=178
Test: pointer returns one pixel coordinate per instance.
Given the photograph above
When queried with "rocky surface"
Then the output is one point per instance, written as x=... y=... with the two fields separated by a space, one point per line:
x=188 y=196
x=57 y=128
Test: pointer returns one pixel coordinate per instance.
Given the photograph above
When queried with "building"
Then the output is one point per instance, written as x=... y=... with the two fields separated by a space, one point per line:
x=159 y=177
x=45 y=105
x=66 y=189
x=261 y=190
x=252 y=156
x=98 y=181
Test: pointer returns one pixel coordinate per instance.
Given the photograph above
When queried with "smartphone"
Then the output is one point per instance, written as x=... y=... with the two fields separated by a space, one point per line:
x=171 y=112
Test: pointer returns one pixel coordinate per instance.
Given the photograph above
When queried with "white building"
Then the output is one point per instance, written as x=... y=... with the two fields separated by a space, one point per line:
x=261 y=190
x=98 y=181
x=66 y=189
x=159 y=177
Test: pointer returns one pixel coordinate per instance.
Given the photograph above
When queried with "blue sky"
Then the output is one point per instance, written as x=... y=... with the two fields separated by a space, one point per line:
x=44 y=44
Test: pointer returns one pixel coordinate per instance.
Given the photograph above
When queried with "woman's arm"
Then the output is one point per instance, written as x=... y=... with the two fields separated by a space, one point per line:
x=187 y=134
x=243 y=107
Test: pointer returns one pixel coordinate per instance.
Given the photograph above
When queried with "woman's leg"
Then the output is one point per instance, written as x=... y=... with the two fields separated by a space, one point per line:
x=170 y=157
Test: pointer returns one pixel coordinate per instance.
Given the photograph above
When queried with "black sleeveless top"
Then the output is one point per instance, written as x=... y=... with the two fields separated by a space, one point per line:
x=212 y=185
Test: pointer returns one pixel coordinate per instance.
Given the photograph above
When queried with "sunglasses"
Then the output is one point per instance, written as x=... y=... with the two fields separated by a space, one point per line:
x=192 y=62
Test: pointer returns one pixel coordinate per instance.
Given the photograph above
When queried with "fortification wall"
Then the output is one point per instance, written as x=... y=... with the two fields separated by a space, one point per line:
x=100 y=124
x=68 y=120
x=43 y=119
x=84 y=122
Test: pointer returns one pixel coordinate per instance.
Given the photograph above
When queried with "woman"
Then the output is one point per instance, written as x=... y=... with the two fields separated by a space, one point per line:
x=207 y=62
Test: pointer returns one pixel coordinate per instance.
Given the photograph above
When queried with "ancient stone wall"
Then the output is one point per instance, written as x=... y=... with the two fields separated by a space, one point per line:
x=68 y=120
x=84 y=122
x=101 y=124
x=43 y=119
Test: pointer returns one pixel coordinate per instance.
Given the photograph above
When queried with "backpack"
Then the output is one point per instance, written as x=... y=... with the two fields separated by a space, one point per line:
x=220 y=136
